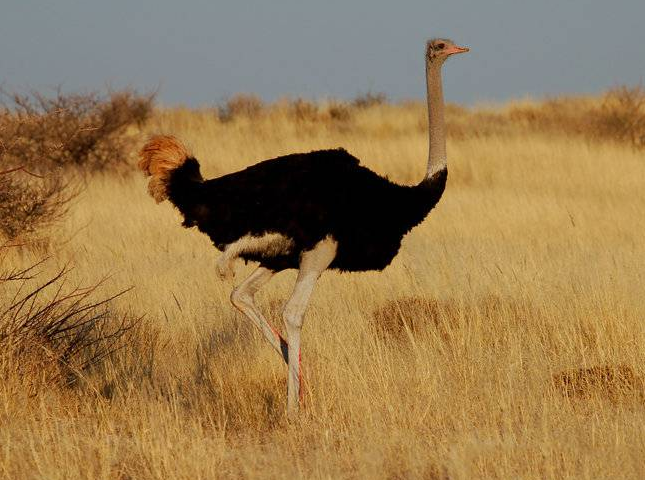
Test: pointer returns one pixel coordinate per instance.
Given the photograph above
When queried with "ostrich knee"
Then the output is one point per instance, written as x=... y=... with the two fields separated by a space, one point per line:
x=241 y=299
x=292 y=318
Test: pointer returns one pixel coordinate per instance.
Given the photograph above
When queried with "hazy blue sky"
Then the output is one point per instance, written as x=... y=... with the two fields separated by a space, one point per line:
x=198 y=52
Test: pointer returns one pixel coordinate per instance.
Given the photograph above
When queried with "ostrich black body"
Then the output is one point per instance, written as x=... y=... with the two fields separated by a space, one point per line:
x=306 y=197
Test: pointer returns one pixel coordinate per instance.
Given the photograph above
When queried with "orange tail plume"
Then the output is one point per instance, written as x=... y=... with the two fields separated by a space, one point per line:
x=158 y=158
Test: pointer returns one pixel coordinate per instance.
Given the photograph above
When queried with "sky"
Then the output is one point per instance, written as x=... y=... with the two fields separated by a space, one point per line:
x=200 y=52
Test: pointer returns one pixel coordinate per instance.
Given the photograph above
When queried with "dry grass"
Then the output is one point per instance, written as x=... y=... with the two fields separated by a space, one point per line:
x=618 y=116
x=446 y=365
x=615 y=382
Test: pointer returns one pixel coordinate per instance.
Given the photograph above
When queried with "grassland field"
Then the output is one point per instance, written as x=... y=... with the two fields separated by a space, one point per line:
x=439 y=367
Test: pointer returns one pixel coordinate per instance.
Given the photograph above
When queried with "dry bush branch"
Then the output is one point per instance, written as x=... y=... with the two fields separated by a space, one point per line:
x=51 y=334
x=27 y=204
x=621 y=116
x=20 y=273
x=42 y=137
x=70 y=130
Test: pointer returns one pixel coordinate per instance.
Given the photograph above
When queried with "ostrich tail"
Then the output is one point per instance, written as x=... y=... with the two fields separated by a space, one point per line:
x=159 y=158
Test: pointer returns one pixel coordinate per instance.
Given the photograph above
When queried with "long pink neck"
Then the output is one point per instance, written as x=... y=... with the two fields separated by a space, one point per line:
x=437 y=159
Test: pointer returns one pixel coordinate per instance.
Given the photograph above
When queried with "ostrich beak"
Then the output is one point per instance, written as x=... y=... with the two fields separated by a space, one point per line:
x=456 y=49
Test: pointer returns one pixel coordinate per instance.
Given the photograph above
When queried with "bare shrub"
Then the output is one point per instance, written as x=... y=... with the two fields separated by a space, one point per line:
x=369 y=99
x=308 y=112
x=621 y=116
x=28 y=202
x=51 y=335
x=18 y=273
x=338 y=111
x=41 y=137
x=70 y=130
x=303 y=110
x=241 y=105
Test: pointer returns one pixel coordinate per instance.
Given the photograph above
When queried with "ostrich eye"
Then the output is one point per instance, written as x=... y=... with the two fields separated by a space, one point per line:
x=440 y=46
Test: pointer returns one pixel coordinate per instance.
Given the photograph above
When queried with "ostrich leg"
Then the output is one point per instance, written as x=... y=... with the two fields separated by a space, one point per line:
x=312 y=264
x=242 y=298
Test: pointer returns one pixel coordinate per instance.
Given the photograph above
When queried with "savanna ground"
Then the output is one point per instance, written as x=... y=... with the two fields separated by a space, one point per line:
x=442 y=366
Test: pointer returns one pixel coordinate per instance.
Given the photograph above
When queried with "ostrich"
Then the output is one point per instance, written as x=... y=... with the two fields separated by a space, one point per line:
x=309 y=211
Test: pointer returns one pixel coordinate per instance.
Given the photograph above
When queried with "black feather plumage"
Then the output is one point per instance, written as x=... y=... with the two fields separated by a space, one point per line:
x=306 y=197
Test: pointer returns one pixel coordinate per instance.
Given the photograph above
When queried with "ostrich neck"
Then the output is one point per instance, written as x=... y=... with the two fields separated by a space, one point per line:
x=437 y=140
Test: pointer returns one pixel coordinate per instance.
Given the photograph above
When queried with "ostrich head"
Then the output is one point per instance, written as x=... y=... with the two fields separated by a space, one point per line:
x=438 y=49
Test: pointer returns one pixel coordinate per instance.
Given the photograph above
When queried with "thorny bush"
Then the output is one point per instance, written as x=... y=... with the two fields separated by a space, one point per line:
x=51 y=333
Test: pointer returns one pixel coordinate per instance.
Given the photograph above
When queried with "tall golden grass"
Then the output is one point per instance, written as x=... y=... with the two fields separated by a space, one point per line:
x=505 y=341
